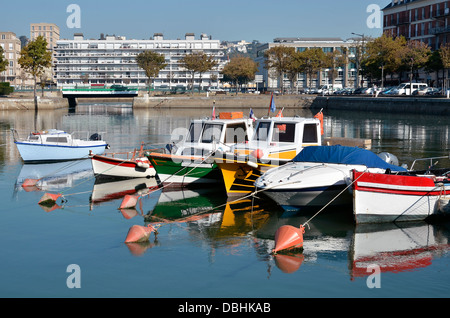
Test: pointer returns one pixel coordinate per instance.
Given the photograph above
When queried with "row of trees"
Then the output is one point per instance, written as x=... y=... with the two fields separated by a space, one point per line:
x=376 y=59
x=388 y=56
x=239 y=71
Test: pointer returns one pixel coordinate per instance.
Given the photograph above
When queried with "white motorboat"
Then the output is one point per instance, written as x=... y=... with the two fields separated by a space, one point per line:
x=123 y=165
x=318 y=176
x=413 y=196
x=57 y=145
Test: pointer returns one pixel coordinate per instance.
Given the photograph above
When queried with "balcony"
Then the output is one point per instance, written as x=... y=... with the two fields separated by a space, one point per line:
x=440 y=30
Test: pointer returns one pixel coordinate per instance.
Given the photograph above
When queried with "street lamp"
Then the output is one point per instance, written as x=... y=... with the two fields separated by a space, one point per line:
x=358 y=57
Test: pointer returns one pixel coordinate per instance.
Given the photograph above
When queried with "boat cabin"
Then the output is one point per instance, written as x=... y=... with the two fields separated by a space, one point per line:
x=281 y=138
x=205 y=136
x=51 y=136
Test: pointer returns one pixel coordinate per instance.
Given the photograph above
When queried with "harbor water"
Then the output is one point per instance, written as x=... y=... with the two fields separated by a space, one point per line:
x=76 y=249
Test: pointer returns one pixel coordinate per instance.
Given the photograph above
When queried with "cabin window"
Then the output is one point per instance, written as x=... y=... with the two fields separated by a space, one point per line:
x=262 y=131
x=57 y=139
x=283 y=132
x=212 y=133
x=236 y=133
x=194 y=132
x=310 y=133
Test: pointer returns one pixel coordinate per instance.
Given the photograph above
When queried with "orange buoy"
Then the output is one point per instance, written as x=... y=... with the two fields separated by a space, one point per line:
x=288 y=237
x=129 y=201
x=138 y=233
x=49 y=199
x=29 y=183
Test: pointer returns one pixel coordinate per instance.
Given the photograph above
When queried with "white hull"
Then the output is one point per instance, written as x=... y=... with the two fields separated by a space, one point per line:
x=388 y=198
x=298 y=185
x=39 y=152
x=120 y=168
x=372 y=207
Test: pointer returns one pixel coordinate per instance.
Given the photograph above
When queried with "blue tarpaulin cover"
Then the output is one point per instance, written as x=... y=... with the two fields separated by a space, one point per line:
x=344 y=155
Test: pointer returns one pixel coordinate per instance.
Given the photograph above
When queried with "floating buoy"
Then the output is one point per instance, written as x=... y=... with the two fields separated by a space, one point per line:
x=138 y=233
x=129 y=201
x=49 y=199
x=29 y=183
x=288 y=237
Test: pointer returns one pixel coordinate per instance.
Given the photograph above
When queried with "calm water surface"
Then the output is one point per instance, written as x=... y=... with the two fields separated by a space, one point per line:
x=226 y=252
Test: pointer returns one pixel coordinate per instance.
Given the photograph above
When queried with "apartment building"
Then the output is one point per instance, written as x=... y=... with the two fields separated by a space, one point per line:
x=346 y=75
x=423 y=20
x=112 y=60
x=11 y=47
x=49 y=31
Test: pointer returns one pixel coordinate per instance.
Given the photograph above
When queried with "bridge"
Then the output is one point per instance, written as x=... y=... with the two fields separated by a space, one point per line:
x=114 y=91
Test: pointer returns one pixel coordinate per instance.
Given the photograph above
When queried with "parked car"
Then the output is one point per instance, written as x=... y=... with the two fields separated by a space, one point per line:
x=344 y=91
x=434 y=91
x=389 y=90
x=424 y=91
x=328 y=89
x=405 y=88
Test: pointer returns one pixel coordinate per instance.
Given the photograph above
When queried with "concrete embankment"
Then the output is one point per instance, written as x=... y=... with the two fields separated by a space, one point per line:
x=45 y=103
x=410 y=105
x=231 y=102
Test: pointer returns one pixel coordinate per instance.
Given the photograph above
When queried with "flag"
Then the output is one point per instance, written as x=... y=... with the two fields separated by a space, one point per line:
x=252 y=115
x=273 y=107
x=280 y=113
x=214 y=113
x=319 y=116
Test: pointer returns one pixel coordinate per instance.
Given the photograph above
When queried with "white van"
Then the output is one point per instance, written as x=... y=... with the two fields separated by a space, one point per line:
x=405 y=88
x=329 y=88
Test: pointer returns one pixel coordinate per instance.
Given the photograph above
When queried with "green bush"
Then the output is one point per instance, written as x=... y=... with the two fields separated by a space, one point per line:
x=5 y=88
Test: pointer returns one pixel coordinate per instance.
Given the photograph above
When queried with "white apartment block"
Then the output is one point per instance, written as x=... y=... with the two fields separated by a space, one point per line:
x=346 y=75
x=111 y=60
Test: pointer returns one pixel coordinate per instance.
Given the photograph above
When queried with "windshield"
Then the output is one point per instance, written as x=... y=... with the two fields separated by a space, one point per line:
x=212 y=133
x=262 y=131
x=194 y=132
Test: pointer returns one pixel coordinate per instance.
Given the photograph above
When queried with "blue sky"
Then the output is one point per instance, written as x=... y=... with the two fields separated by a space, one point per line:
x=231 y=20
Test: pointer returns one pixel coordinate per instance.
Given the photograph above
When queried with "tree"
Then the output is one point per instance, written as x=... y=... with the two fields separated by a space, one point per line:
x=434 y=64
x=382 y=56
x=444 y=53
x=278 y=59
x=414 y=56
x=240 y=70
x=310 y=62
x=3 y=61
x=151 y=62
x=333 y=61
x=35 y=58
x=197 y=62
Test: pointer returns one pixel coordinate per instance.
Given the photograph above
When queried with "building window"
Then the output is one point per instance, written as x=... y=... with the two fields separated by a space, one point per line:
x=3 y=37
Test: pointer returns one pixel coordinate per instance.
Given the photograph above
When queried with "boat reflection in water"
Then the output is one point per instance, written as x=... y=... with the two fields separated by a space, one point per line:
x=54 y=176
x=112 y=190
x=233 y=227
x=396 y=247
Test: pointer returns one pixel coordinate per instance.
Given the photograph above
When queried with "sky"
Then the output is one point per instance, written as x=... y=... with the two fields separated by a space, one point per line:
x=230 y=20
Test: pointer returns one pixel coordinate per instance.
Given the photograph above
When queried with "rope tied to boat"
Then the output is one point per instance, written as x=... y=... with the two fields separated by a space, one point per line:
x=332 y=200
